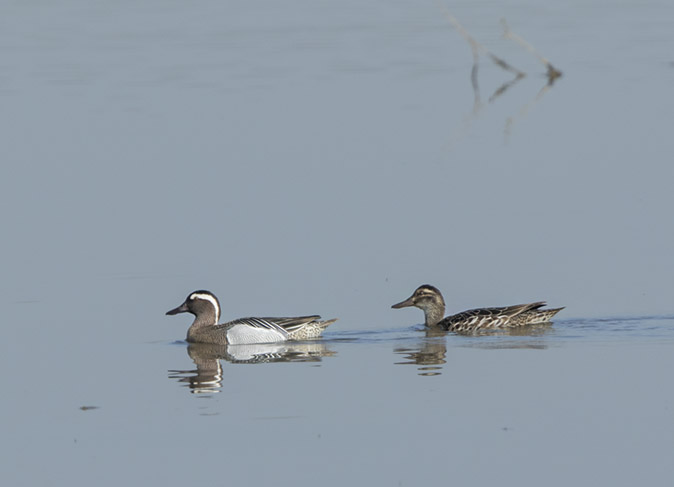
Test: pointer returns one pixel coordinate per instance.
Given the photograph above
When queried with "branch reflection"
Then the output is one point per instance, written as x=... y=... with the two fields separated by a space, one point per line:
x=551 y=73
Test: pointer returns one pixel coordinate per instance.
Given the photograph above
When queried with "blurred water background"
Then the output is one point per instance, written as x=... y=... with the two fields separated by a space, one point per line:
x=328 y=157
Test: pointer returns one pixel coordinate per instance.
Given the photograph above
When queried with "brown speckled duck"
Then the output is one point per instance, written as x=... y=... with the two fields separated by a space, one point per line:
x=429 y=299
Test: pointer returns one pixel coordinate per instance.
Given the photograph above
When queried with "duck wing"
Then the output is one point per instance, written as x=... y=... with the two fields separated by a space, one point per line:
x=292 y=323
x=264 y=323
x=253 y=330
x=479 y=318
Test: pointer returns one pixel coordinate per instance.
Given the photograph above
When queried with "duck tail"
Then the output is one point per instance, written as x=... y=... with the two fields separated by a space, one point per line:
x=545 y=315
x=326 y=323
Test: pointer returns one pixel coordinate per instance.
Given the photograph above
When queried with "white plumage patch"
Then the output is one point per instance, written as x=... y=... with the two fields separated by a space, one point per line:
x=257 y=352
x=212 y=300
x=244 y=334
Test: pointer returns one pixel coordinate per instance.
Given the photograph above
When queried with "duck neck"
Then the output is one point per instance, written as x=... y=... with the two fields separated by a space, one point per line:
x=204 y=319
x=200 y=324
x=434 y=314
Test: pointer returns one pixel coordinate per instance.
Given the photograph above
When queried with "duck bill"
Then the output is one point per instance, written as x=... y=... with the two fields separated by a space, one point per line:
x=180 y=309
x=404 y=304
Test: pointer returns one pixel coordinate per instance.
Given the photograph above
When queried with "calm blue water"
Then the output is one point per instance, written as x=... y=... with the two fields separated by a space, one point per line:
x=329 y=157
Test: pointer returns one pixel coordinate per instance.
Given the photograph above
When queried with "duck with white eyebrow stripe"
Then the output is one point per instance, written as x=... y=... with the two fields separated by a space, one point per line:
x=429 y=299
x=205 y=329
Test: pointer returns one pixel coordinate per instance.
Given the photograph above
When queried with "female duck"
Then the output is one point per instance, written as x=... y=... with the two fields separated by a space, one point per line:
x=205 y=329
x=429 y=299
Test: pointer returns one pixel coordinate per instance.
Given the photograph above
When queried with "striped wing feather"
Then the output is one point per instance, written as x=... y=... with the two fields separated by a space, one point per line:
x=293 y=323
x=286 y=328
x=266 y=323
x=253 y=330
x=475 y=319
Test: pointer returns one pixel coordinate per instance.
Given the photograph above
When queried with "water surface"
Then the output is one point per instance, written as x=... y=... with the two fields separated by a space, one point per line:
x=328 y=158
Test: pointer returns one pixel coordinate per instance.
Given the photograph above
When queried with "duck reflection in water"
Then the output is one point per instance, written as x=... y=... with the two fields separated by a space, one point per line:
x=207 y=378
x=430 y=353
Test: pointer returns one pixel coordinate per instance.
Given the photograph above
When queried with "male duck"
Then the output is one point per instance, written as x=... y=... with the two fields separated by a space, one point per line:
x=205 y=328
x=429 y=299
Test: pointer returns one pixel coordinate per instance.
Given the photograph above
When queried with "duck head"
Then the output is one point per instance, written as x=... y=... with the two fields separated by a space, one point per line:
x=429 y=299
x=203 y=305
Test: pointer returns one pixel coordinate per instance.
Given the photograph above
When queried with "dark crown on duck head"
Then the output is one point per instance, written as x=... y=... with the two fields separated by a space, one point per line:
x=202 y=304
x=429 y=299
x=425 y=296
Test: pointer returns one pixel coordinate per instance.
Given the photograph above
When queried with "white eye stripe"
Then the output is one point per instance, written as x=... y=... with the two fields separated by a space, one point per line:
x=212 y=300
